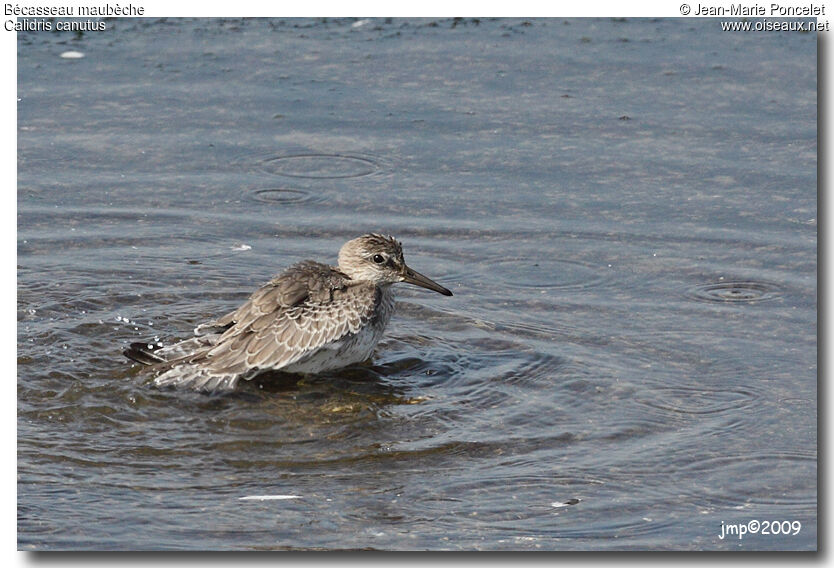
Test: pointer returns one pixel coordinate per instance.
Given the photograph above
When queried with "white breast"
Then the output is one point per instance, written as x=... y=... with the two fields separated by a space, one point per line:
x=351 y=349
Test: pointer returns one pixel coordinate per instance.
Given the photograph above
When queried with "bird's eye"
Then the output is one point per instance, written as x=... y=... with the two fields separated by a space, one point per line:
x=379 y=259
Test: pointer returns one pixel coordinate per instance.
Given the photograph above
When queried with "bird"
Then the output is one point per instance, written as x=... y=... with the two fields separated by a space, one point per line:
x=310 y=319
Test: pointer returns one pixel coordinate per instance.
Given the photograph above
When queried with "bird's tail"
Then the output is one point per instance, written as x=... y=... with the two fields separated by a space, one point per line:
x=179 y=365
x=187 y=375
x=143 y=353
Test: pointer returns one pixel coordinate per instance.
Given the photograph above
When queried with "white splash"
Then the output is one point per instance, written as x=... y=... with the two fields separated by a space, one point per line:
x=268 y=497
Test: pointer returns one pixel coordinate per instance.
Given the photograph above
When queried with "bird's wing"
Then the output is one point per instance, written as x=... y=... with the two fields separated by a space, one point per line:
x=290 y=288
x=307 y=307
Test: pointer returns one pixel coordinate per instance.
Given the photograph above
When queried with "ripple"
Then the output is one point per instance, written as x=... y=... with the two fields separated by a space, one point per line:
x=615 y=529
x=688 y=400
x=320 y=166
x=742 y=291
x=795 y=457
x=510 y=504
x=281 y=195
x=681 y=356
x=558 y=274
x=755 y=479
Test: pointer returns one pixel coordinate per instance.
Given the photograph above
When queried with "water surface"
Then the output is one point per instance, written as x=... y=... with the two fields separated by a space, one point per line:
x=625 y=211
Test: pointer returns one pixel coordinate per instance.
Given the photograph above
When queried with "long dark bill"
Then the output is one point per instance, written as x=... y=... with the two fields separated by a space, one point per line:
x=414 y=277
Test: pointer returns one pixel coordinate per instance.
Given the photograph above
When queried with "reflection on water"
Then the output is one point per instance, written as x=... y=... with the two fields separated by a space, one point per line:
x=629 y=359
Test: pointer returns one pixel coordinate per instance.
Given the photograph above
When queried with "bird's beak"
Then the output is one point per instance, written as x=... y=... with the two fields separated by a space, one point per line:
x=414 y=277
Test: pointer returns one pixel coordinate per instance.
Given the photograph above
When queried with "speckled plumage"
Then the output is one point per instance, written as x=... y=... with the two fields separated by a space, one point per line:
x=310 y=319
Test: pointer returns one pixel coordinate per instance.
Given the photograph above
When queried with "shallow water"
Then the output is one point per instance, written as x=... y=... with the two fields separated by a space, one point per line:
x=624 y=210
